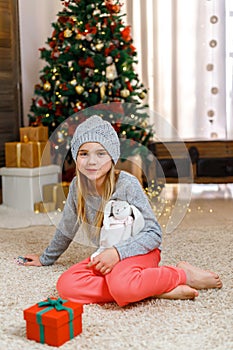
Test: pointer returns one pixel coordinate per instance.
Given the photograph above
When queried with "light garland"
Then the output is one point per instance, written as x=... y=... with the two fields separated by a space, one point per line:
x=211 y=68
x=215 y=90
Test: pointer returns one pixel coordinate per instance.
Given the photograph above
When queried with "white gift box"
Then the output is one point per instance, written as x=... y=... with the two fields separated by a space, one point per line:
x=22 y=187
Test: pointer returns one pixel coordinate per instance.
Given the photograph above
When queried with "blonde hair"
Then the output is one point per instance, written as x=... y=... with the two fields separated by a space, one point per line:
x=84 y=188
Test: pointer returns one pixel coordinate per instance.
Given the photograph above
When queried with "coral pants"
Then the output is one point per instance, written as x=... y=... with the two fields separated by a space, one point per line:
x=130 y=280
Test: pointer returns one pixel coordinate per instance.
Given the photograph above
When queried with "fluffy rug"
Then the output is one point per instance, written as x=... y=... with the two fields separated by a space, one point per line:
x=15 y=218
x=204 y=238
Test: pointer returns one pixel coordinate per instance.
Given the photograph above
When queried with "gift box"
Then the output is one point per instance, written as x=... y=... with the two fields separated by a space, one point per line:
x=22 y=187
x=56 y=193
x=33 y=133
x=27 y=154
x=42 y=207
x=53 y=321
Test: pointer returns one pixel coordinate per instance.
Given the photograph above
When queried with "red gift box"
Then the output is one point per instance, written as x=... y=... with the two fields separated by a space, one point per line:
x=53 y=321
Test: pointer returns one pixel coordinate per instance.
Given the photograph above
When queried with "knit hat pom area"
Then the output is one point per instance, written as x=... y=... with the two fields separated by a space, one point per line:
x=95 y=129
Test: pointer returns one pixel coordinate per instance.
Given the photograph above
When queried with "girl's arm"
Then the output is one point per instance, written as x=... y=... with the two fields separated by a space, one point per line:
x=65 y=231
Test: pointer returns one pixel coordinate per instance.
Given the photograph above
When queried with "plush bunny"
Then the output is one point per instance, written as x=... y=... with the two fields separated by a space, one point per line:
x=121 y=220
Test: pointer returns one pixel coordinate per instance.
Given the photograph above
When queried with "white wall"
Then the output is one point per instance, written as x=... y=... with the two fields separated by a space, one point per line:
x=35 y=19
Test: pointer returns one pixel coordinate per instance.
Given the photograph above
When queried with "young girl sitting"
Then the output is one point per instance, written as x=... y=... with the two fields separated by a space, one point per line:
x=128 y=271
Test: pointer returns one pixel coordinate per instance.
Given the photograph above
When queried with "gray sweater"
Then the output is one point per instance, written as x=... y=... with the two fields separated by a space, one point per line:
x=129 y=189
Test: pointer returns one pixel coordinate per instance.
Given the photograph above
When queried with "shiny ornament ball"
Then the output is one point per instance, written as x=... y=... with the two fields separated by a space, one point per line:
x=79 y=89
x=73 y=82
x=47 y=86
x=67 y=33
x=99 y=46
x=142 y=95
x=109 y=60
x=125 y=93
x=80 y=36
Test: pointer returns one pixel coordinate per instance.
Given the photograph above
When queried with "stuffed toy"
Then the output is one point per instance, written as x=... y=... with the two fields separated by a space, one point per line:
x=121 y=220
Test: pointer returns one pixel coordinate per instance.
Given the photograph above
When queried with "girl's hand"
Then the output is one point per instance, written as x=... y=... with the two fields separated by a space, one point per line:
x=105 y=261
x=33 y=260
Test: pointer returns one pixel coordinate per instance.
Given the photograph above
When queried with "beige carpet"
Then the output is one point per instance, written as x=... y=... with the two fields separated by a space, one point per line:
x=203 y=238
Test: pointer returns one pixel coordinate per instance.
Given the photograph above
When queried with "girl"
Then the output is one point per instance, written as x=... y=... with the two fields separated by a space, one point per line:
x=129 y=271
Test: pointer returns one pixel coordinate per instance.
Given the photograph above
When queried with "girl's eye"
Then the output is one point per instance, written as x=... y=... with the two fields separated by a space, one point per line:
x=82 y=154
x=102 y=153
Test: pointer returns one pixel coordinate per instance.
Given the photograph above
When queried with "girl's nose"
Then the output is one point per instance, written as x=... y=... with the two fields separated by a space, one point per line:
x=92 y=159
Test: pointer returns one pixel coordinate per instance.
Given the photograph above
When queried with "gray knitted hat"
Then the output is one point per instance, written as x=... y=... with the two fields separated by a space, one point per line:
x=95 y=129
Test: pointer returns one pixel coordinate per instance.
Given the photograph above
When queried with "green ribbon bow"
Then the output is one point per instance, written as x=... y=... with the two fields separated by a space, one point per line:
x=54 y=304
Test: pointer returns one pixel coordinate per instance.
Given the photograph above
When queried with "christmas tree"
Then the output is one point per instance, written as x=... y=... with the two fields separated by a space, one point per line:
x=90 y=61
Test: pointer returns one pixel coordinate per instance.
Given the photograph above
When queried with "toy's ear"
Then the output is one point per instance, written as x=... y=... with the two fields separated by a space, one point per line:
x=107 y=212
x=138 y=222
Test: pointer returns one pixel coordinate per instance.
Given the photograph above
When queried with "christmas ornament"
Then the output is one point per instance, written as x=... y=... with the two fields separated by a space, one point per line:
x=90 y=72
x=102 y=91
x=142 y=95
x=99 y=46
x=47 y=86
x=96 y=12
x=89 y=37
x=80 y=36
x=78 y=105
x=125 y=93
x=67 y=33
x=109 y=60
x=73 y=82
x=74 y=18
x=111 y=72
x=79 y=89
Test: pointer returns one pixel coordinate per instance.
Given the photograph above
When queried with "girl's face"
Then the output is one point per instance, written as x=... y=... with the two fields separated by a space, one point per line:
x=94 y=162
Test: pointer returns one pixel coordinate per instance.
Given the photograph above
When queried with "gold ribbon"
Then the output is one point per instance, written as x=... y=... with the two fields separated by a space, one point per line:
x=39 y=153
x=18 y=155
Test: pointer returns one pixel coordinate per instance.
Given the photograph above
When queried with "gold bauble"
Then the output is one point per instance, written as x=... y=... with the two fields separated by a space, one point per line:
x=79 y=89
x=102 y=91
x=144 y=124
x=67 y=33
x=125 y=93
x=47 y=86
x=79 y=36
x=142 y=95
x=99 y=46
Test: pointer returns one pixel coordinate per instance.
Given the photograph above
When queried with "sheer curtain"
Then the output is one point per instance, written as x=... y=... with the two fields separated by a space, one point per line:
x=181 y=53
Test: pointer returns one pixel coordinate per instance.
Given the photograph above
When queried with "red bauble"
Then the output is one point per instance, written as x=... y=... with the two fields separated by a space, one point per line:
x=126 y=33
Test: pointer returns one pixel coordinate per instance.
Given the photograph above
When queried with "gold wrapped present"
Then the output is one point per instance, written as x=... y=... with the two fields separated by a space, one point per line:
x=33 y=133
x=42 y=207
x=27 y=155
x=57 y=193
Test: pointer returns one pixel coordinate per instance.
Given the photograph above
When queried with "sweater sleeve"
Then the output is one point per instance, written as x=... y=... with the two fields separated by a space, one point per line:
x=65 y=231
x=150 y=237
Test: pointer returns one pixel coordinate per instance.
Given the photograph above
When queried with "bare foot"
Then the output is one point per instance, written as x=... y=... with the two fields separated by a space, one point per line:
x=198 y=278
x=182 y=292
